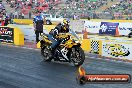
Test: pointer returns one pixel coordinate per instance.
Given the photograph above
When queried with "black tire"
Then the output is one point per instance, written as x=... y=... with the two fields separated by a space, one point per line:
x=77 y=60
x=44 y=51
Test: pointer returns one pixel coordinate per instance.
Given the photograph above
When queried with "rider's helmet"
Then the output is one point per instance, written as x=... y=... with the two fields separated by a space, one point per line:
x=65 y=24
x=66 y=21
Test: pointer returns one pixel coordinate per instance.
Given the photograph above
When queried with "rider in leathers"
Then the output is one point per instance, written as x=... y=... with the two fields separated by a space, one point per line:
x=60 y=28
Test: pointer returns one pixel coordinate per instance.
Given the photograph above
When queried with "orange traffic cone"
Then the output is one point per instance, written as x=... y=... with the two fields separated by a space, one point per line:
x=85 y=35
x=117 y=32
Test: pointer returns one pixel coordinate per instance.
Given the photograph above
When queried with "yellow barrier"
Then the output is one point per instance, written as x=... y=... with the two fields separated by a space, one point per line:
x=100 y=47
x=38 y=45
x=23 y=21
x=18 y=36
x=86 y=45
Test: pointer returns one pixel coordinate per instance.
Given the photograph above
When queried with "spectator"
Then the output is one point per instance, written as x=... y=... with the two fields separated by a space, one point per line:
x=38 y=24
x=88 y=18
x=7 y=21
x=22 y=15
x=16 y=14
x=11 y=15
x=80 y=6
x=30 y=14
x=74 y=17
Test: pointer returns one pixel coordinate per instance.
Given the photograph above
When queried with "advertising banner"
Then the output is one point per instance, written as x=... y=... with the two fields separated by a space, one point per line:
x=6 y=34
x=92 y=27
x=125 y=28
x=108 y=28
x=117 y=50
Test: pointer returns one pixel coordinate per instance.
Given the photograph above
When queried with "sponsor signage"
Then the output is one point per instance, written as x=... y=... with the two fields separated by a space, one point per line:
x=117 y=50
x=83 y=78
x=92 y=27
x=125 y=28
x=108 y=28
x=6 y=34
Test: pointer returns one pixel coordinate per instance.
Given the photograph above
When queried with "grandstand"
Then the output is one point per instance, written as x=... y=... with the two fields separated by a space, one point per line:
x=96 y=9
x=121 y=9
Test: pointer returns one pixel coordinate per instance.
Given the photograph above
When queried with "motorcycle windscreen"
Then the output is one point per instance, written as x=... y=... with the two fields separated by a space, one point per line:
x=74 y=34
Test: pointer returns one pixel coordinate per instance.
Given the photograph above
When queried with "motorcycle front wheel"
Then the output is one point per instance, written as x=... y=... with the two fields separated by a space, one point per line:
x=77 y=56
x=46 y=54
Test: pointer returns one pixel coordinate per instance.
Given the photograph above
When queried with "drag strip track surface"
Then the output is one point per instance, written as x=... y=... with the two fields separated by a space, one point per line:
x=24 y=68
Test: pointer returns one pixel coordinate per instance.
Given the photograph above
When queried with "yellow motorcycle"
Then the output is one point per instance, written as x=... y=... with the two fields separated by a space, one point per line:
x=69 y=49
